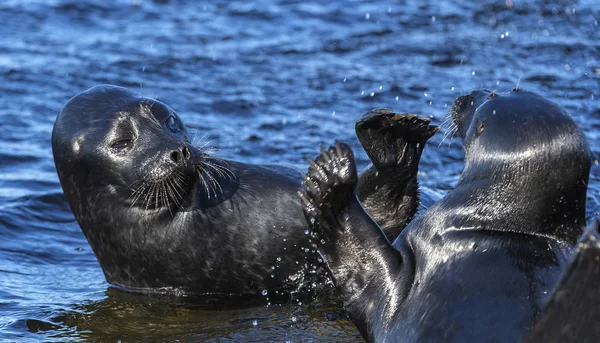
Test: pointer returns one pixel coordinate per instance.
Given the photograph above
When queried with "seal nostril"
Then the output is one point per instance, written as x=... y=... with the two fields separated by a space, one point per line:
x=186 y=153
x=175 y=156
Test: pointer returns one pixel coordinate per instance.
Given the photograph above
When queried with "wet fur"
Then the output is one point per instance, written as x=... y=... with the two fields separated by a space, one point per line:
x=195 y=224
x=168 y=215
x=479 y=264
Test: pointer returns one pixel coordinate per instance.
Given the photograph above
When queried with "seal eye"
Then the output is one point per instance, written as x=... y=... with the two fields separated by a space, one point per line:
x=480 y=128
x=122 y=145
x=173 y=124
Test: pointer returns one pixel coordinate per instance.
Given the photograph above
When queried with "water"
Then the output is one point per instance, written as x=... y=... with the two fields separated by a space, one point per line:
x=267 y=82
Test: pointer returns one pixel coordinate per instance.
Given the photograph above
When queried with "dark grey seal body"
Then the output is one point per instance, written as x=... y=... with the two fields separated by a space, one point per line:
x=571 y=315
x=479 y=264
x=161 y=214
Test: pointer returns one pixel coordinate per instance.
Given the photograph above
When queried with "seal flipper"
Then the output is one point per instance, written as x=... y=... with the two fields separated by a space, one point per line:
x=388 y=189
x=571 y=314
x=367 y=270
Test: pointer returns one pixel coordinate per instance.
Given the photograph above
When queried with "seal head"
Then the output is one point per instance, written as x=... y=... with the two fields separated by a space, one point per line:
x=128 y=145
x=528 y=148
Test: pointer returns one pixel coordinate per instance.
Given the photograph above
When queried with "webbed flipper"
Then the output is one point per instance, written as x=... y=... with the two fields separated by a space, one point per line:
x=388 y=189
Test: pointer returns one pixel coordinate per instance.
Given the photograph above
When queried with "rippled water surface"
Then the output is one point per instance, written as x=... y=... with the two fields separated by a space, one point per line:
x=268 y=82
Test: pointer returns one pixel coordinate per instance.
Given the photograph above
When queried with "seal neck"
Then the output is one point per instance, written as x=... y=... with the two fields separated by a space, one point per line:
x=523 y=206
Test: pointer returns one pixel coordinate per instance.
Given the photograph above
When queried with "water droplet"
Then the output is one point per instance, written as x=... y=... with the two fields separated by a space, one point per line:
x=255 y=322
x=294 y=319
x=380 y=87
x=279 y=259
x=333 y=114
x=433 y=19
x=473 y=73
x=397 y=98
x=368 y=16
x=272 y=276
x=372 y=93
x=265 y=292
x=307 y=232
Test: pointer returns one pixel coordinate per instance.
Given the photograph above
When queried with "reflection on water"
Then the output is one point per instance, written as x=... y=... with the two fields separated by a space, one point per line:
x=126 y=317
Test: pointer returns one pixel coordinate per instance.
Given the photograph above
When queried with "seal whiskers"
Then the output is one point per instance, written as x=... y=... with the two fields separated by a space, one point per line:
x=164 y=192
x=449 y=131
x=209 y=185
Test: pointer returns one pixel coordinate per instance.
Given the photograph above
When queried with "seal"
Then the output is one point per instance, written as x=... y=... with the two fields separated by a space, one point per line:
x=571 y=313
x=160 y=213
x=479 y=264
x=163 y=215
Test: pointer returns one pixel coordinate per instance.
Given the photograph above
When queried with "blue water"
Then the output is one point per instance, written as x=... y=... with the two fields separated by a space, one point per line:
x=268 y=82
